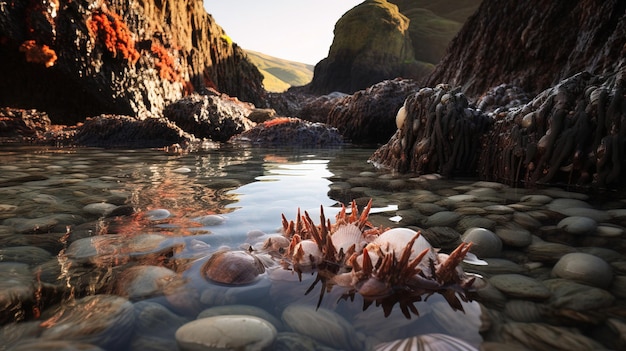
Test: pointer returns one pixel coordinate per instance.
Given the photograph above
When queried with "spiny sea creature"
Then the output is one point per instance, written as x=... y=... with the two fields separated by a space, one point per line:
x=386 y=266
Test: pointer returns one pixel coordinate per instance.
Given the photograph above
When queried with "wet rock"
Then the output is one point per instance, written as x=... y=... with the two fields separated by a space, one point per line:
x=246 y=310
x=292 y=132
x=485 y=243
x=124 y=131
x=495 y=266
x=567 y=294
x=369 y=115
x=23 y=125
x=324 y=326
x=293 y=341
x=17 y=291
x=547 y=35
x=544 y=251
x=109 y=328
x=520 y=286
x=24 y=254
x=212 y=117
x=140 y=282
x=541 y=336
x=233 y=268
x=53 y=345
x=155 y=320
x=229 y=332
x=514 y=236
x=584 y=268
x=442 y=219
x=440 y=134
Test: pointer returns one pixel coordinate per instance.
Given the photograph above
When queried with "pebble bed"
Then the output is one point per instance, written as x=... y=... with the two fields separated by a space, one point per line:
x=102 y=250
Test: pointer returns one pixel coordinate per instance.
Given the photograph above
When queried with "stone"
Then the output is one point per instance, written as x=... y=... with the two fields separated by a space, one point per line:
x=520 y=286
x=226 y=332
x=584 y=268
x=485 y=243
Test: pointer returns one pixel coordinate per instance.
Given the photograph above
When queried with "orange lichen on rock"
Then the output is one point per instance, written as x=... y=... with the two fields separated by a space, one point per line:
x=36 y=53
x=277 y=121
x=109 y=29
x=165 y=63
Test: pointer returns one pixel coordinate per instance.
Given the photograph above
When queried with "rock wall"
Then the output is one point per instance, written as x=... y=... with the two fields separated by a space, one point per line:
x=78 y=58
x=383 y=40
x=570 y=57
x=533 y=44
x=371 y=44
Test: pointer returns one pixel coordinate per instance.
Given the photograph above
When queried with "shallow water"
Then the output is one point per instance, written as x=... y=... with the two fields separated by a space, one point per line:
x=188 y=206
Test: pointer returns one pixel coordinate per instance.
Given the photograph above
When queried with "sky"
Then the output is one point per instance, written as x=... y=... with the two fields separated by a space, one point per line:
x=295 y=30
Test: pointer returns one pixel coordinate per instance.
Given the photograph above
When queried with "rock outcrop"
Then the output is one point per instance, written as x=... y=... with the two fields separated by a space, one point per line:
x=369 y=116
x=573 y=132
x=371 y=44
x=292 y=132
x=532 y=44
x=381 y=40
x=81 y=58
x=210 y=116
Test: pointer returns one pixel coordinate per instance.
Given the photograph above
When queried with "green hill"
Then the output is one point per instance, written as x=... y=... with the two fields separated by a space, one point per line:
x=278 y=74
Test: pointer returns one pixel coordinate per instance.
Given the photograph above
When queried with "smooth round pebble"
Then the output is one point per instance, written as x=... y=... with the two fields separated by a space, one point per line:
x=516 y=237
x=607 y=230
x=99 y=208
x=585 y=269
x=517 y=285
x=158 y=214
x=578 y=225
x=443 y=219
x=485 y=243
x=245 y=310
x=182 y=170
x=229 y=332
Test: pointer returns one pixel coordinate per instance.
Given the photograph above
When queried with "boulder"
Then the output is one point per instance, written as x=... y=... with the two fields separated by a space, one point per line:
x=371 y=44
x=126 y=131
x=289 y=131
x=214 y=117
x=369 y=115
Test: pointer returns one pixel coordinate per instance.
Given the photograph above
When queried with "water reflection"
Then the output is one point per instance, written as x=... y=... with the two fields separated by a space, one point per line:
x=138 y=226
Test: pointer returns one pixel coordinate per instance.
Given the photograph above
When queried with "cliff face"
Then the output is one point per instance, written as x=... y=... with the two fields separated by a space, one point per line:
x=533 y=44
x=570 y=57
x=77 y=58
x=381 y=40
x=371 y=44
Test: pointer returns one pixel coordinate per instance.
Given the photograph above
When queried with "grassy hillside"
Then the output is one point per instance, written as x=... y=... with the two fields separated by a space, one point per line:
x=279 y=74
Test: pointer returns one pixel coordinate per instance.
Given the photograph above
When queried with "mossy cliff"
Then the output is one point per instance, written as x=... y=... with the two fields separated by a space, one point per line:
x=78 y=58
x=371 y=44
x=379 y=40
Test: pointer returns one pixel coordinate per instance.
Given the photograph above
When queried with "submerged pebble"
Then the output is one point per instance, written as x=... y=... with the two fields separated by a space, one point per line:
x=226 y=332
x=584 y=268
x=485 y=243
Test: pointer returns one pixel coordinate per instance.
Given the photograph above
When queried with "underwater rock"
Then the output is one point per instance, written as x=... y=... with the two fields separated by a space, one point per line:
x=227 y=332
x=520 y=286
x=324 y=326
x=584 y=268
x=485 y=243
x=233 y=267
x=103 y=320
